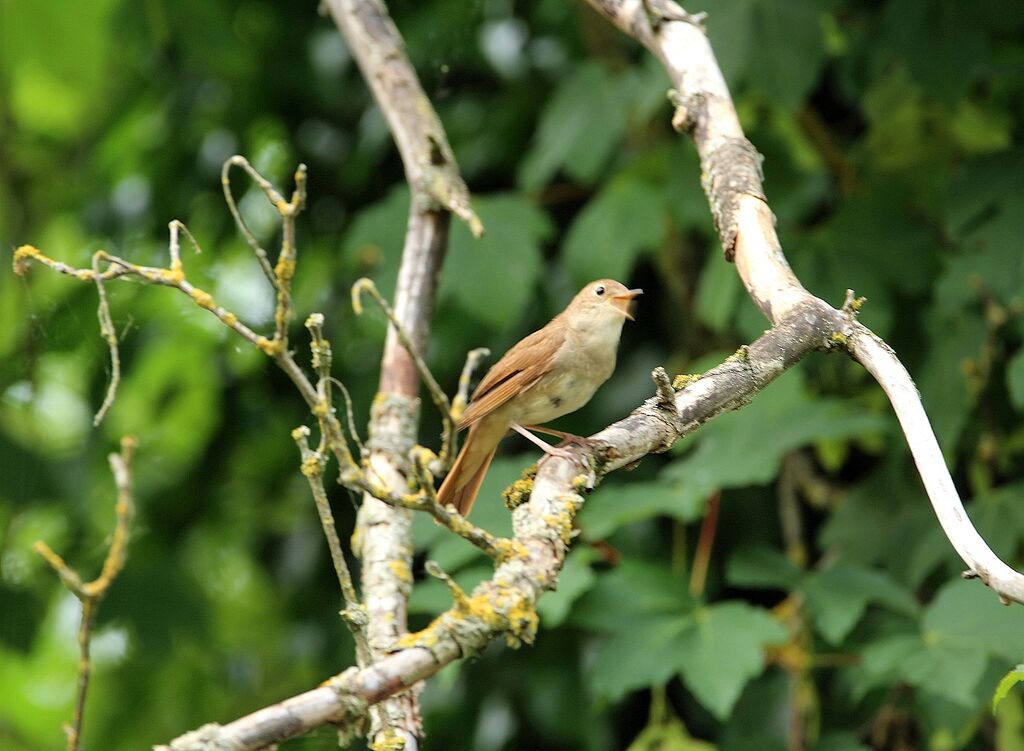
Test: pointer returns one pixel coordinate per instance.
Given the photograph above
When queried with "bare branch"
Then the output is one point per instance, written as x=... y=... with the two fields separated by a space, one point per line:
x=503 y=607
x=462 y=397
x=313 y=463
x=90 y=593
x=732 y=180
x=436 y=189
x=110 y=336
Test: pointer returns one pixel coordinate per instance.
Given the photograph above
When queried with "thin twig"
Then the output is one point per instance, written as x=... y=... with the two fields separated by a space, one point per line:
x=706 y=541
x=350 y=416
x=462 y=395
x=496 y=548
x=229 y=199
x=110 y=336
x=354 y=614
x=437 y=395
x=90 y=593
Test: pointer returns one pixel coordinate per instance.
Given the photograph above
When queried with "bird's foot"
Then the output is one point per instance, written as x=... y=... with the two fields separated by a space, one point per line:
x=562 y=451
x=568 y=439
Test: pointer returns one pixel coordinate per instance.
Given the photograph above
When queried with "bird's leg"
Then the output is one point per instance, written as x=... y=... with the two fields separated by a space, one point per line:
x=547 y=448
x=567 y=437
x=570 y=438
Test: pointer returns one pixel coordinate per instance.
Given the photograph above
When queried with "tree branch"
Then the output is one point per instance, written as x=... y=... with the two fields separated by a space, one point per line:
x=732 y=180
x=90 y=593
x=503 y=607
x=384 y=532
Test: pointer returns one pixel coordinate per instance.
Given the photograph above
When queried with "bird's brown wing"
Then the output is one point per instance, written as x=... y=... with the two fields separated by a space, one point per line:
x=520 y=368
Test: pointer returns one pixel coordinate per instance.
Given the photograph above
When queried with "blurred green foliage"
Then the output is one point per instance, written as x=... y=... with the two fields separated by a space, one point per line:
x=832 y=616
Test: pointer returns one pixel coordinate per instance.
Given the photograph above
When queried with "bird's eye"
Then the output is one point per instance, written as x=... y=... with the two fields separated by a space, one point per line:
x=599 y=291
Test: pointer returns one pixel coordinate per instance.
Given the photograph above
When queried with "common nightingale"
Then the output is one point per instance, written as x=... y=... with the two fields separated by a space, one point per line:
x=550 y=373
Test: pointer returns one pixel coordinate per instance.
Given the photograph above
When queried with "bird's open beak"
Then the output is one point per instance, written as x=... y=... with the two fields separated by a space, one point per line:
x=624 y=302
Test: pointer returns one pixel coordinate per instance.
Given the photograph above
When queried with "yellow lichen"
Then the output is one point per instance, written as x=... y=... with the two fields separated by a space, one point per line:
x=561 y=523
x=202 y=298
x=683 y=380
x=312 y=466
x=401 y=571
x=269 y=347
x=838 y=338
x=285 y=269
x=518 y=492
x=22 y=255
x=230 y=319
x=175 y=274
x=510 y=550
x=389 y=740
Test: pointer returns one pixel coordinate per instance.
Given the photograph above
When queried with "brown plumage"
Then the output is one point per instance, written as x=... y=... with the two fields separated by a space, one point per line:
x=550 y=373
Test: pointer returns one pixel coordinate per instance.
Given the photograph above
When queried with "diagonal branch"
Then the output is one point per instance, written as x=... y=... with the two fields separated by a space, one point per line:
x=503 y=607
x=732 y=180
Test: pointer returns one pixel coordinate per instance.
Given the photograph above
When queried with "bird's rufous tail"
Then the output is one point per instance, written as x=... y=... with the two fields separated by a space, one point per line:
x=463 y=482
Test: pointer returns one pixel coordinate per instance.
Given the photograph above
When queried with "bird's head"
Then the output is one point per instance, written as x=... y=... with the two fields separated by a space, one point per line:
x=602 y=304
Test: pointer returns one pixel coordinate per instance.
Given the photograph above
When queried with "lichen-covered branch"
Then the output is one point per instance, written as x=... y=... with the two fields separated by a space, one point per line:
x=90 y=593
x=731 y=169
x=383 y=532
x=504 y=606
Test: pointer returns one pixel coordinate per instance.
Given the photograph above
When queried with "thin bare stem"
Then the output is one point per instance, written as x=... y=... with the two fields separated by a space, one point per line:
x=110 y=336
x=437 y=395
x=350 y=416
x=354 y=614
x=462 y=395
x=706 y=541
x=91 y=593
x=497 y=548
x=229 y=199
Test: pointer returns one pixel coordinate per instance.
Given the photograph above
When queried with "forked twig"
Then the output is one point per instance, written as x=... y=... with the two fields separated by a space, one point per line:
x=90 y=593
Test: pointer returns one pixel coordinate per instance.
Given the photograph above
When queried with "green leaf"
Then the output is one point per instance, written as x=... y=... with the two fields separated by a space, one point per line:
x=722 y=649
x=717 y=294
x=962 y=629
x=781 y=418
x=945 y=390
x=634 y=589
x=567 y=137
x=941 y=45
x=951 y=672
x=761 y=566
x=1009 y=680
x=53 y=84
x=614 y=505
x=1015 y=380
x=638 y=656
x=717 y=649
x=493 y=278
x=624 y=219
x=793 y=25
x=373 y=243
x=967 y=613
x=838 y=596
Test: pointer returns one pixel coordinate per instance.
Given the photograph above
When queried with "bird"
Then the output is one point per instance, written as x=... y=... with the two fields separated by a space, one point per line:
x=552 y=372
